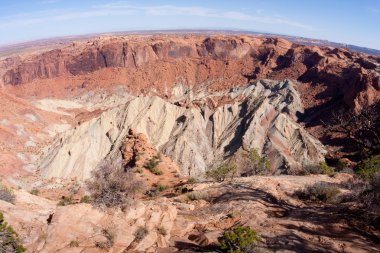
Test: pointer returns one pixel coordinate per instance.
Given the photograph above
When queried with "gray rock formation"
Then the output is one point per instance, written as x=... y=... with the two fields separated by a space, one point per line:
x=198 y=136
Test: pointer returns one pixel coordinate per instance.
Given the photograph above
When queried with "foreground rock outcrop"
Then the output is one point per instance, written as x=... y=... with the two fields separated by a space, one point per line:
x=46 y=227
x=266 y=204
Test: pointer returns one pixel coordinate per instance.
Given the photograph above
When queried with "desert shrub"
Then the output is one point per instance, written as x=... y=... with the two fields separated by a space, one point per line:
x=152 y=164
x=311 y=169
x=198 y=195
x=156 y=190
x=347 y=171
x=86 y=199
x=241 y=239
x=108 y=243
x=366 y=193
x=9 y=240
x=219 y=174
x=35 y=191
x=139 y=170
x=7 y=194
x=112 y=186
x=161 y=187
x=340 y=165
x=140 y=233
x=253 y=164
x=321 y=168
x=368 y=168
x=162 y=230
x=326 y=170
x=318 y=192
x=74 y=244
x=192 y=180
x=65 y=201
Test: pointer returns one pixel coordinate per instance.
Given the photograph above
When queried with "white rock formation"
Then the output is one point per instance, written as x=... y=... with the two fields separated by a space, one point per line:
x=261 y=116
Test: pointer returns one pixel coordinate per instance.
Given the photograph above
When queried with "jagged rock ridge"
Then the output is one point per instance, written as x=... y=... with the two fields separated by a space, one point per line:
x=261 y=116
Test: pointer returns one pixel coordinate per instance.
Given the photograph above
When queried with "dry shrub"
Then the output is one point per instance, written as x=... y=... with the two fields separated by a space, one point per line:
x=198 y=195
x=318 y=192
x=113 y=186
x=6 y=194
x=140 y=233
x=366 y=193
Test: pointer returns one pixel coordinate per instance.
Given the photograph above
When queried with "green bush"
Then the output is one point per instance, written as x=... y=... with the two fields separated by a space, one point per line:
x=9 y=240
x=318 y=192
x=220 y=173
x=368 y=168
x=86 y=199
x=326 y=170
x=152 y=163
x=160 y=187
x=258 y=165
x=241 y=239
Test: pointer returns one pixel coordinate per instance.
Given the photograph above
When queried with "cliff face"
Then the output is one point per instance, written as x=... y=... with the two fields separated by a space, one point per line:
x=224 y=62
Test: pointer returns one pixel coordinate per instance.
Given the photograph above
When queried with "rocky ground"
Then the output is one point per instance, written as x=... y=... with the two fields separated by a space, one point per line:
x=175 y=223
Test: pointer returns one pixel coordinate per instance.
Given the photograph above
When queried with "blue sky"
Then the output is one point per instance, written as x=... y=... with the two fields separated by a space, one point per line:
x=349 y=21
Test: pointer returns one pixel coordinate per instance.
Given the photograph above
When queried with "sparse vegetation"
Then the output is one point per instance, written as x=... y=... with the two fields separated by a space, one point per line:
x=321 y=168
x=192 y=180
x=7 y=194
x=65 y=201
x=9 y=240
x=86 y=199
x=108 y=243
x=139 y=170
x=162 y=230
x=326 y=170
x=35 y=191
x=198 y=195
x=370 y=167
x=259 y=165
x=318 y=192
x=112 y=186
x=160 y=187
x=240 y=239
x=74 y=244
x=140 y=233
x=366 y=193
x=251 y=163
x=156 y=190
x=151 y=165
x=221 y=173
